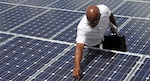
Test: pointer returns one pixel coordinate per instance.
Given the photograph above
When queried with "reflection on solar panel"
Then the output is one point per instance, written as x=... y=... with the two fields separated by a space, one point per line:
x=37 y=41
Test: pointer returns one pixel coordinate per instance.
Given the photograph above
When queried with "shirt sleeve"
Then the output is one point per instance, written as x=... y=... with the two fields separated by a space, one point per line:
x=81 y=33
x=104 y=10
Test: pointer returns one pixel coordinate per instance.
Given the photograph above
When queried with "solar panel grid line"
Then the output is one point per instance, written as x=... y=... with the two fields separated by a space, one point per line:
x=140 y=35
x=17 y=16
x=37 y=38
x=109 y=64
x=52 y=3
x=8 y=8
x=145 y=44
x=39 y=2
x=28 y=20
x=3 y=43
x=135 y=68
x=142 y=1
x=58 y=71
x=118 y=6
x=134 y=9
x=141 y=18
x=83 y=5
x=135 y=42
x=20 y=4
x=46 y=7
x=124 y=16
x=118 y=52
x=89 y=66
x=10 y=3
x=13 y=1
x=103 y=67
x=122 y=63
x=148 y=16
x=68 y=10
x=123 y=25
x=31 y=64
x=48 y=64
x=143 y=73
x=75 y=21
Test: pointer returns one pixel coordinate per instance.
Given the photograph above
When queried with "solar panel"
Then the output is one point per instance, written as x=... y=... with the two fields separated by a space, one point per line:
x=39 y=2
x=143 y=73
x=23 y=57
x=106 y=66
x=136 y=9
x=68 y=4
x=37 y=41
x=48 y=24
x=12 y=1
x=4 y=7
x=18 y=15
x=111 y=4
x=137 y=35
x=4 y=37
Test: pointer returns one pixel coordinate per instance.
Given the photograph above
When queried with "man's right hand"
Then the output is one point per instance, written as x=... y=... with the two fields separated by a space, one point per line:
x=76 y=73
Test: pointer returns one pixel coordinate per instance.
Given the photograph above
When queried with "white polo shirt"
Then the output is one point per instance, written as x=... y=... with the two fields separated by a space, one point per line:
x=93 y=36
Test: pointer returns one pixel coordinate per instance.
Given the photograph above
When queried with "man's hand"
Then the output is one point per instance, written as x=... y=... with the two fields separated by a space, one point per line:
x=76 y=73
x=77 y=60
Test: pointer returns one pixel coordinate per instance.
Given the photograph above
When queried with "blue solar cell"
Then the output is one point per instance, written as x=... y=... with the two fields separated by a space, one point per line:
x=20 y=77
x=4 y=37
x=68 y=35
x=48 y=24
x=25 y=61
x=17 y=15
x=137 y=40
x=103 y=66
x=38 y=2
x=143 y=72
x=65 y=4
x=10 y=76
x=136 y=9
x=4 y=7
x=12 y=1
x=111 y=4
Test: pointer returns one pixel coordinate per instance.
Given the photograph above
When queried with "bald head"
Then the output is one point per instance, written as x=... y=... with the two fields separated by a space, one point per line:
x=92 y=13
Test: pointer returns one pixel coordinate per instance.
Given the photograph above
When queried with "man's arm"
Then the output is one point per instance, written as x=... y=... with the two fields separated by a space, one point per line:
x=113 y=24
x=77 y=60
x=112 y=19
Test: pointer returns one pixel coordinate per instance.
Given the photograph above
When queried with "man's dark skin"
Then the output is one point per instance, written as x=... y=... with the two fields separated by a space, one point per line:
x=93 y=16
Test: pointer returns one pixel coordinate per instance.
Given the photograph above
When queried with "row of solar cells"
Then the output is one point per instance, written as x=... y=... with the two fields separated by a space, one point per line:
x=61 y=25
x=126 y=8
x=21 y=57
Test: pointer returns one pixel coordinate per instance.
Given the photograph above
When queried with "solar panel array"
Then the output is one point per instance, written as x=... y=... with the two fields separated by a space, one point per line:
x=37 y=41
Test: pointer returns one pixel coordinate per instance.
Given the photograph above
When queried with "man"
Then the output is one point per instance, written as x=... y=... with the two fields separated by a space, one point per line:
x=90 y=32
